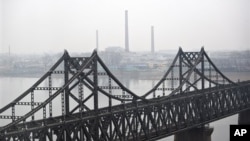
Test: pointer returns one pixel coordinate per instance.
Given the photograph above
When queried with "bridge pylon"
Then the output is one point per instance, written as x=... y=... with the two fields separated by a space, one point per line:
x=244 y=118
x=195 y=134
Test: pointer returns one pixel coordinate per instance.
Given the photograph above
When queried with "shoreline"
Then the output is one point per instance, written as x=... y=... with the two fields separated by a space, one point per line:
x=143 y=75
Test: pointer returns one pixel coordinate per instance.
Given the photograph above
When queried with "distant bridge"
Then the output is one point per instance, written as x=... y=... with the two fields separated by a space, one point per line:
x=82 y=100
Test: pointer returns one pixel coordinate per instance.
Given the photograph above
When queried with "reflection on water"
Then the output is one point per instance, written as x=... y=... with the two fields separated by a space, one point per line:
x=11 y=87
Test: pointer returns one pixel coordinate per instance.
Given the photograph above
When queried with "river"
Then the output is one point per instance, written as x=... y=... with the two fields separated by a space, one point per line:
x=11 y=87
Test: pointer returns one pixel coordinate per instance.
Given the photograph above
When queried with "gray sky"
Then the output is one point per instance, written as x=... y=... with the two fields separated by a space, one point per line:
x=33 y=26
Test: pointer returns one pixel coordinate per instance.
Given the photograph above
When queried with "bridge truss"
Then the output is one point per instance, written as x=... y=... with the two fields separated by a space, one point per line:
x=80 y=99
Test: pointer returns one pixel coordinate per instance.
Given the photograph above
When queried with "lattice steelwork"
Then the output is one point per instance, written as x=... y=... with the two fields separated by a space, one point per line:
x=189 y=71
x=85 y=101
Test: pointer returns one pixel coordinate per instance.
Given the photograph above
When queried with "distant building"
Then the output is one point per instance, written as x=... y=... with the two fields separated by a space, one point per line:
x=114 y=49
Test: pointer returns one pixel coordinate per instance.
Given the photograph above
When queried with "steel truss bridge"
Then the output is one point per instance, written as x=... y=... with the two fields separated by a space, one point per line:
x=80 y=99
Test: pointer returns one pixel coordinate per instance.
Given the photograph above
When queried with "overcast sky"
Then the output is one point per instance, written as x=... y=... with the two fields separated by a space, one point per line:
x=33 y=26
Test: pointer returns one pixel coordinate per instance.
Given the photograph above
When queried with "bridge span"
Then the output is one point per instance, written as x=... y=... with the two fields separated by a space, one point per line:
x=85 y=101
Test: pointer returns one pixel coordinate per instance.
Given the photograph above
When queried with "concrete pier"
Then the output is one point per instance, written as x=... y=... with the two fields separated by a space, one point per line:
x=195 y=134
x=244 y=117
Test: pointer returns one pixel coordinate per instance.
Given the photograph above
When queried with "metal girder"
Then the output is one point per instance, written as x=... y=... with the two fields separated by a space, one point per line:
x=137 y=118
x=149 y=121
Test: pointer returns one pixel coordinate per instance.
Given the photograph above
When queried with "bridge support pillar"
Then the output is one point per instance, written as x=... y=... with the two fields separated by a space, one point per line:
x=195 y=134
x=244 y=117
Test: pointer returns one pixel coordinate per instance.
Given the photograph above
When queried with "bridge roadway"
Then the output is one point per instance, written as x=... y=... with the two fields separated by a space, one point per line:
x=150 y=120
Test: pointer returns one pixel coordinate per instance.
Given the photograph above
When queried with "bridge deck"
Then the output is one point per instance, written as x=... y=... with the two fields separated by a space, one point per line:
x=168 y=112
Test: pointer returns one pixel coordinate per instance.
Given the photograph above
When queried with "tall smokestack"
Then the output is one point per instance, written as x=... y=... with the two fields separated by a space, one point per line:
x=126 y=32
x=152 y=40
x=97 y=44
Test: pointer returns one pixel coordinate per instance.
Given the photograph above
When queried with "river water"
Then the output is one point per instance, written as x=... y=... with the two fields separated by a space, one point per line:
x=11 y=87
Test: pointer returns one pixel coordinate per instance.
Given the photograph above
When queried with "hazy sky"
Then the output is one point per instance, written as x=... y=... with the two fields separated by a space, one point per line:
x=32 y=26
